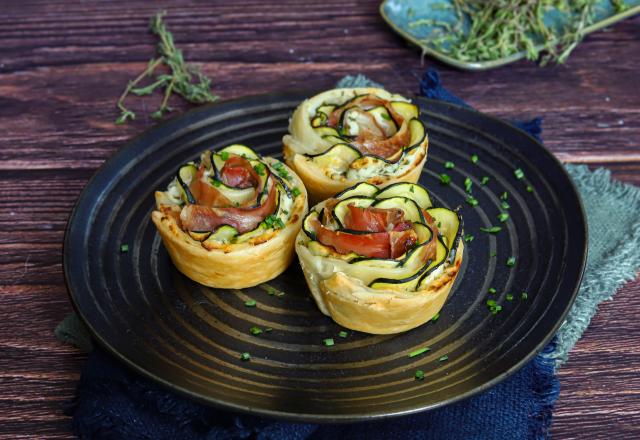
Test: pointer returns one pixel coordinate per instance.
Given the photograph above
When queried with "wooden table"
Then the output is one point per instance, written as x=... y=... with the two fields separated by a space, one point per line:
x=63 y=65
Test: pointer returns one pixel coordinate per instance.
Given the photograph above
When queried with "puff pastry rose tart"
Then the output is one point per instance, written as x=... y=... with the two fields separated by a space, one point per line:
x=380 y=260
x=344 y=136
x=230 y=220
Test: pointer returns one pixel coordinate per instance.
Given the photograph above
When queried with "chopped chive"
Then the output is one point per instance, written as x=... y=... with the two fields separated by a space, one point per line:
x=518 y=173
x=419 y=351
x=411 y=189
x=529 y=188
x=445 y=179
x=224 y=155
x=255 y=330
x=504 y=195
x=509 y=297
x=280 y=294
x=245 y=356
x=216 y=183
x=492 y=229
x=443 y=358
x=511 y=261
x=449 y=165
x=271 y=290
x=485 y=180
x=250 y=303
x=492 y=290
x=419 y=375
x=268 y=330
x=295 y=191
x=467 y=184
x=472 y=201
x=468 y=237
x=328 y=342
x=436 y=317
x=474 y=158
x=493 y=254
x=504 y=205
x=124 y=248
x=503 y=217
x=385 y=116
x=259 y=167
x=439 y=224
x=493 y=306
x=343 y=334
x=524 y=295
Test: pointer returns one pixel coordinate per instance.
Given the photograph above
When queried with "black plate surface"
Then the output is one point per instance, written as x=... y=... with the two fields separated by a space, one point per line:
x=189 y=337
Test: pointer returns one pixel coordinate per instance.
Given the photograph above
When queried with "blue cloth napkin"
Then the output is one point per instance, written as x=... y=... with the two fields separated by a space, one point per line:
x=113 y=402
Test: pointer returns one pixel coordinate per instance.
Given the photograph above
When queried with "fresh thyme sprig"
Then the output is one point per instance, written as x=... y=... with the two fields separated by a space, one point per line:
x=181 y=78
x=501 y=28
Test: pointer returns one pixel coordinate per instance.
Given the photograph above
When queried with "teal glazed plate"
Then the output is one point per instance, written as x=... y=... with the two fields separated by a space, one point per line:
x=190 y=338
x=399 y=14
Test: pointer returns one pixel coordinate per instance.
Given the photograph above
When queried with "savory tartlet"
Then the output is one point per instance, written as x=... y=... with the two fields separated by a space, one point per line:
x=380 y=260
x=344 y=136
x=230 y=219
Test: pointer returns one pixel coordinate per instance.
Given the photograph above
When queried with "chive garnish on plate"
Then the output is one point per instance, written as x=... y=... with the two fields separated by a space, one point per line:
x=443 y=358
x=255 y=330
x=511 y=261
x=449 y=165
x=250 y=303
x=436 y=317
x=524 y=295
x=492 y=229
x=328 y=342
x=504 y=205
x=343 y=334
x=124 y=248
x=485 y=180
x=492 y=290
x=419 y=375
x=419 y=351
x=472 y=201
x=509 y=297
x=518 y=173
x=445 y=179
x=468 y=237
x=474 y=158
x=468 y=184
x=245 y=356
x=503 y=217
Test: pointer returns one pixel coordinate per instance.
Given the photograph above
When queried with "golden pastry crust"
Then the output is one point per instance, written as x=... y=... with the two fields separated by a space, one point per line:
x=232 y=266
x=341 y=288
x=303 y=140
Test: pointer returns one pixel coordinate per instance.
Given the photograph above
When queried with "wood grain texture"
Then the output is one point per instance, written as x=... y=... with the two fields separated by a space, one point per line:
x=63 y=65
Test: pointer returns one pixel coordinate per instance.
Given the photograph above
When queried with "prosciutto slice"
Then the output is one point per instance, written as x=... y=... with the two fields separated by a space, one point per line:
x=207 y=218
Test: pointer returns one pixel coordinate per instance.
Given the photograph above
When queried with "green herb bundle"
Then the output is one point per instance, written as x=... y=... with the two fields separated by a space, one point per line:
x=500 y=28
x=178 y=77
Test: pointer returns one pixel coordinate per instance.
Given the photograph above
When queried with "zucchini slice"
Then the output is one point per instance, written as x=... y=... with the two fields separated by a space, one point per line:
x=384 y=120
x=258 y=231
x=186 y=174
x=326 y=131
x=413 y=282
x=335 y=140
x=405 y=109
x=341 y=209
x=238 y=196
x=411 y=210
x=418 y=133
x=449 y=223
x=318 y=120
x=199 y=236
x=306 y=224
x=436 y=267
x=361 y=189
x=410 y=190
x=224 y=234
x=325 y=109
x=240 y=150
x=338 y=157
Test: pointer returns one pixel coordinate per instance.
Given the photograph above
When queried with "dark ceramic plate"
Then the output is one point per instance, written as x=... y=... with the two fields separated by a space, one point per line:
x=189 y=337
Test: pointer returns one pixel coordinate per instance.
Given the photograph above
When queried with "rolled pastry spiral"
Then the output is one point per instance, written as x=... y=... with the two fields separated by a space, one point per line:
x=380 y=260
x=230 y=219
x=344 y=136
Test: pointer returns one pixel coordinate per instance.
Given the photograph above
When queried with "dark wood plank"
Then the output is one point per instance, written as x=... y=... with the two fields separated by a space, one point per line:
x=64 y=64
